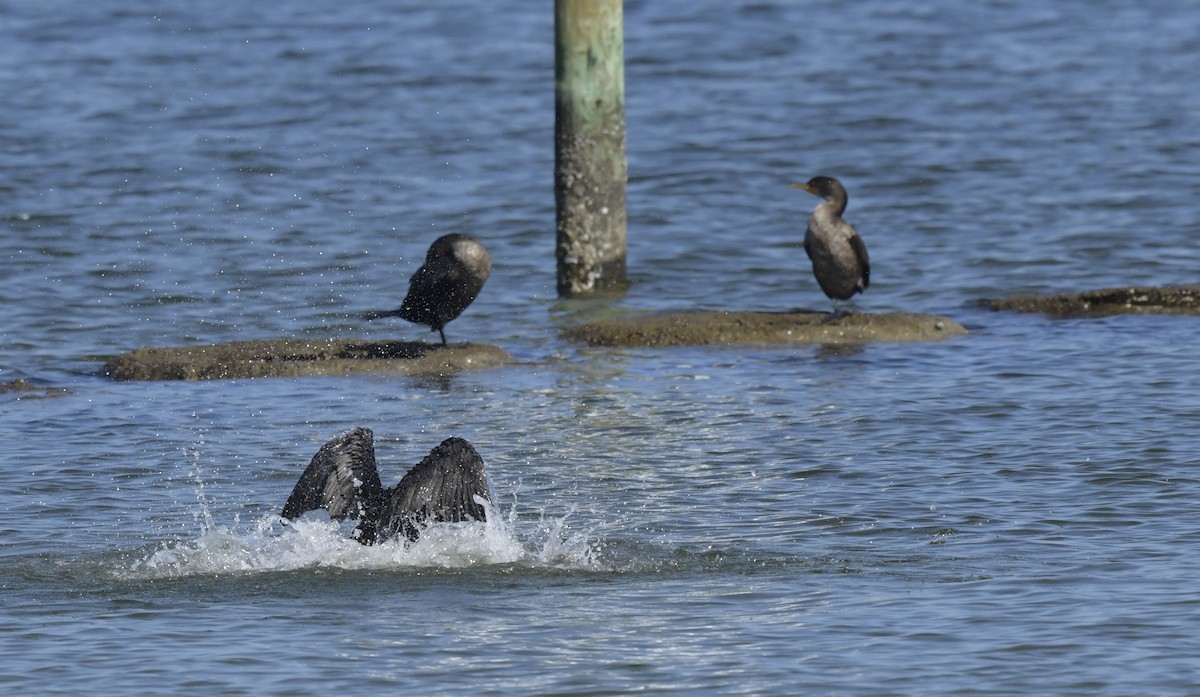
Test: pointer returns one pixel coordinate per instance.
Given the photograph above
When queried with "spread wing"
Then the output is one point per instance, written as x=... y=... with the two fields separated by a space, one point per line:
x=342 y=478
x=440 y=488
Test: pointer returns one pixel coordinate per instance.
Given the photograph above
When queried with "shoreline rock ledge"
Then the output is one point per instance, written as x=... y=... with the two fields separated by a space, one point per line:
x=1168 y=300
x=302 y=358
x=800 y=327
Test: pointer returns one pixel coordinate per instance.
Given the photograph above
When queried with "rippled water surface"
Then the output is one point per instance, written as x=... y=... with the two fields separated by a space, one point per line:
x=1010 y=512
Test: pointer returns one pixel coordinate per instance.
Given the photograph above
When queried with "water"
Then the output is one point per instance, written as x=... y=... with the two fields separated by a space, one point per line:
x=1011 y=512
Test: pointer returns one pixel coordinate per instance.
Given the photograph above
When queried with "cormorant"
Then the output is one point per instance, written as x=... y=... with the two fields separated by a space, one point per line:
x=343 y=479
x=838 y=254
x=454 y=271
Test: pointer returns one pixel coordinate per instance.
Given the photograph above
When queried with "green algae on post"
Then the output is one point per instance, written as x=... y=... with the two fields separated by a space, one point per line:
x=590 y=167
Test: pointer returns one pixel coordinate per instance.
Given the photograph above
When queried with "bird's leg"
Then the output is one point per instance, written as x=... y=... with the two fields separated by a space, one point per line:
x=838 y=312
x=443 y=333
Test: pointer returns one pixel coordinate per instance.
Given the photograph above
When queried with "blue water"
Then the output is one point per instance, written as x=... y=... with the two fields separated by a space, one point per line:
x=1010 y=512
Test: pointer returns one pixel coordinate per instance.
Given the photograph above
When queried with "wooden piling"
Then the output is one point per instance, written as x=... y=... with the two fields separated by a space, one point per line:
x=590 y=169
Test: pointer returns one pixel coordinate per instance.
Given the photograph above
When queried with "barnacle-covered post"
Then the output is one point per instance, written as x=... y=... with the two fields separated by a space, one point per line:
x=590 y=169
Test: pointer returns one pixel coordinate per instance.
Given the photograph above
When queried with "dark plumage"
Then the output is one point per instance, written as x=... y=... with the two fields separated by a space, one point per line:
x=454 y=271
x=839 y=256
x=343 y=479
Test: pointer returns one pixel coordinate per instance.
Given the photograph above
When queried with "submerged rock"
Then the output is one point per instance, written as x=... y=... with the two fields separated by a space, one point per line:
x=18 y=385
x=302 y=357
x=720 y=327
x=1180 y=300
x=24 y=388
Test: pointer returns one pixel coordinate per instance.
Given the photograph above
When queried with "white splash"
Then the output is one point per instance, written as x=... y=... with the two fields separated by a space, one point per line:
x=316 y=541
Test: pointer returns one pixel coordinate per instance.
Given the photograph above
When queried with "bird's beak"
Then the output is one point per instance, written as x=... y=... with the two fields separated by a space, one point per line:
x=806 y=187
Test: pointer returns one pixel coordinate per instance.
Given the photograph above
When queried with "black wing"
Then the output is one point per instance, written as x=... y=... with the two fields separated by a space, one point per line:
x=435 y=293
x=864 y=261
x=440 y=488
x=438 y=293
x=342 y=479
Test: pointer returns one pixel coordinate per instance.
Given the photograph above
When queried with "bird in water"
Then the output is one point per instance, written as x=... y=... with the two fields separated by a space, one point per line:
x=838 y=254
x=448 y=486
x=455 y=269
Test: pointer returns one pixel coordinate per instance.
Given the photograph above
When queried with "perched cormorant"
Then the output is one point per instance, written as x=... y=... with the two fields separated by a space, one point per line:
x=342 y=478
x=838 y=254
x=455 y=268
